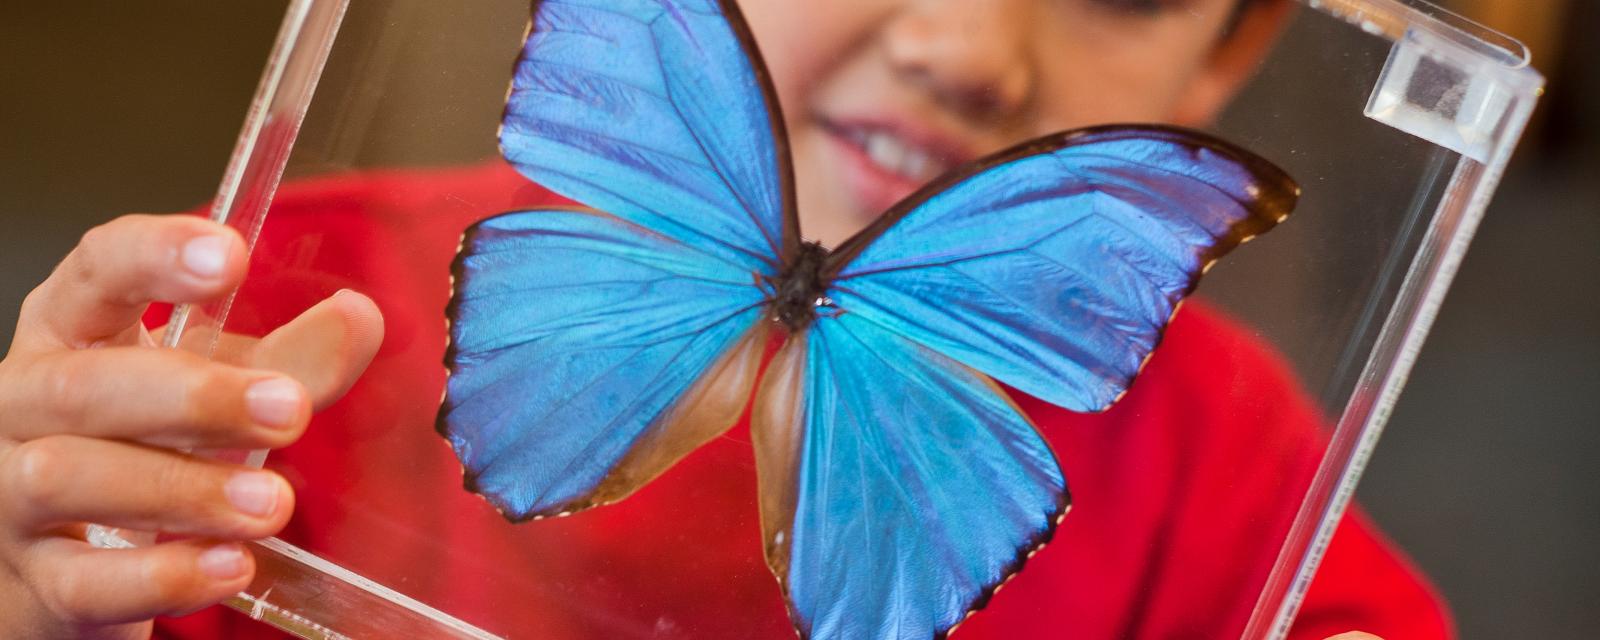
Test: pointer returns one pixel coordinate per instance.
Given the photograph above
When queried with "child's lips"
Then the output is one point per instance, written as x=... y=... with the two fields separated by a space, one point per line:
x=881 y=165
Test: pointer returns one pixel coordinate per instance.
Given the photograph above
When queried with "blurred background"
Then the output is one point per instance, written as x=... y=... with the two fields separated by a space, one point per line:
x=1489 y=472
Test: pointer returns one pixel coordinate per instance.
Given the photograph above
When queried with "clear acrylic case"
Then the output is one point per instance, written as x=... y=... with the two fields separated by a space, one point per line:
x=1395 y=117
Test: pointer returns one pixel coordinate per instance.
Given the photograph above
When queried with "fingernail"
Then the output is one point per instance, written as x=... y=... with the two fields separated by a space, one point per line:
x=253 y=492
x=223 y=562
x=206 y=256
x=274 y=402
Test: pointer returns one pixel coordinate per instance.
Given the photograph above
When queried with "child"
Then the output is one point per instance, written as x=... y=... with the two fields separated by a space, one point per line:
x=880 y=96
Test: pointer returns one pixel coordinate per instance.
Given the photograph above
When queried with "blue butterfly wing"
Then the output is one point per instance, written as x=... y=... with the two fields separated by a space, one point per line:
x=1054 y=267
x=587 y=355
x=899 y=487
x=653 y=111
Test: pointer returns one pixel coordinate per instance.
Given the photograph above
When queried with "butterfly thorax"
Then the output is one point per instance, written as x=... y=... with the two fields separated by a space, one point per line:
x=800 y=288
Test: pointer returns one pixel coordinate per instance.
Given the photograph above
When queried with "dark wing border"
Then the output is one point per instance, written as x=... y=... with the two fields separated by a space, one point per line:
x=1267 y=210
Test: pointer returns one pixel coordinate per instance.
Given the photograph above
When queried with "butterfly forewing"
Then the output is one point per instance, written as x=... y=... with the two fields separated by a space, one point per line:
x=1056 y=266
x=659 y=113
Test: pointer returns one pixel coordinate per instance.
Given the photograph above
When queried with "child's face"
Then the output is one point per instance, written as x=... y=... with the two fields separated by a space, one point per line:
x=882 y=95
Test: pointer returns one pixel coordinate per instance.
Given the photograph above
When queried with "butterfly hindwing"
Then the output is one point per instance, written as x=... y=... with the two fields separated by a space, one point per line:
x=1055 y=267
x=587 y=355
x=899 y=487
x=653 y=111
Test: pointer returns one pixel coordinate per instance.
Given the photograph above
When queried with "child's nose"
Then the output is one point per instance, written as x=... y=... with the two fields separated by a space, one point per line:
x=972 y=55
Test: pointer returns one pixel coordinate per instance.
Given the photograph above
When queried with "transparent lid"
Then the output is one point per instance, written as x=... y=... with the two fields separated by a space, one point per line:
x=1200 y=503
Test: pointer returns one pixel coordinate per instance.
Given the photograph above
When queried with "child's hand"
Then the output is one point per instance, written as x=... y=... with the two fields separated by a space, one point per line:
x=89 y=409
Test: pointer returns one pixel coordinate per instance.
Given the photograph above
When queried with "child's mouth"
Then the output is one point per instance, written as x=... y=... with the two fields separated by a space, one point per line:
x=892 y=154
x=883 y=163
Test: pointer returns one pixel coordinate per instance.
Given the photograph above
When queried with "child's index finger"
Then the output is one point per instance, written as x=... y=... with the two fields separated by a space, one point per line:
x=103 y=286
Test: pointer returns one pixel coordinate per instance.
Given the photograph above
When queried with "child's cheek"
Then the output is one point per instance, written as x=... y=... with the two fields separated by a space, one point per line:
x=803 y=42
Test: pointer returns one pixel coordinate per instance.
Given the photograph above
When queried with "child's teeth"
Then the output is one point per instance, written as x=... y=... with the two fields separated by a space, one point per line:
x=916 y=165
x=893 y=155
x=886 y=152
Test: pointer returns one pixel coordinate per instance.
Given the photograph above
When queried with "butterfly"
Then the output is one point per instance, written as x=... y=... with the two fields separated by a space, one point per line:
x=593 y=347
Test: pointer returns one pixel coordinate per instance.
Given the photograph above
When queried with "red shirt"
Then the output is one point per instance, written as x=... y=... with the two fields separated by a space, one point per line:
x=1182 y=492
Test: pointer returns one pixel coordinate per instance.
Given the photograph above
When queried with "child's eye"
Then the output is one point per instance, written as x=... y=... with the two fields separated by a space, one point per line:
x=1140 y=7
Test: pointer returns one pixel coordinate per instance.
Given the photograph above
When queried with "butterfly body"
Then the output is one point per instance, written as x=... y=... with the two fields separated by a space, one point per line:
x=899 y=484
x=801 y=288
